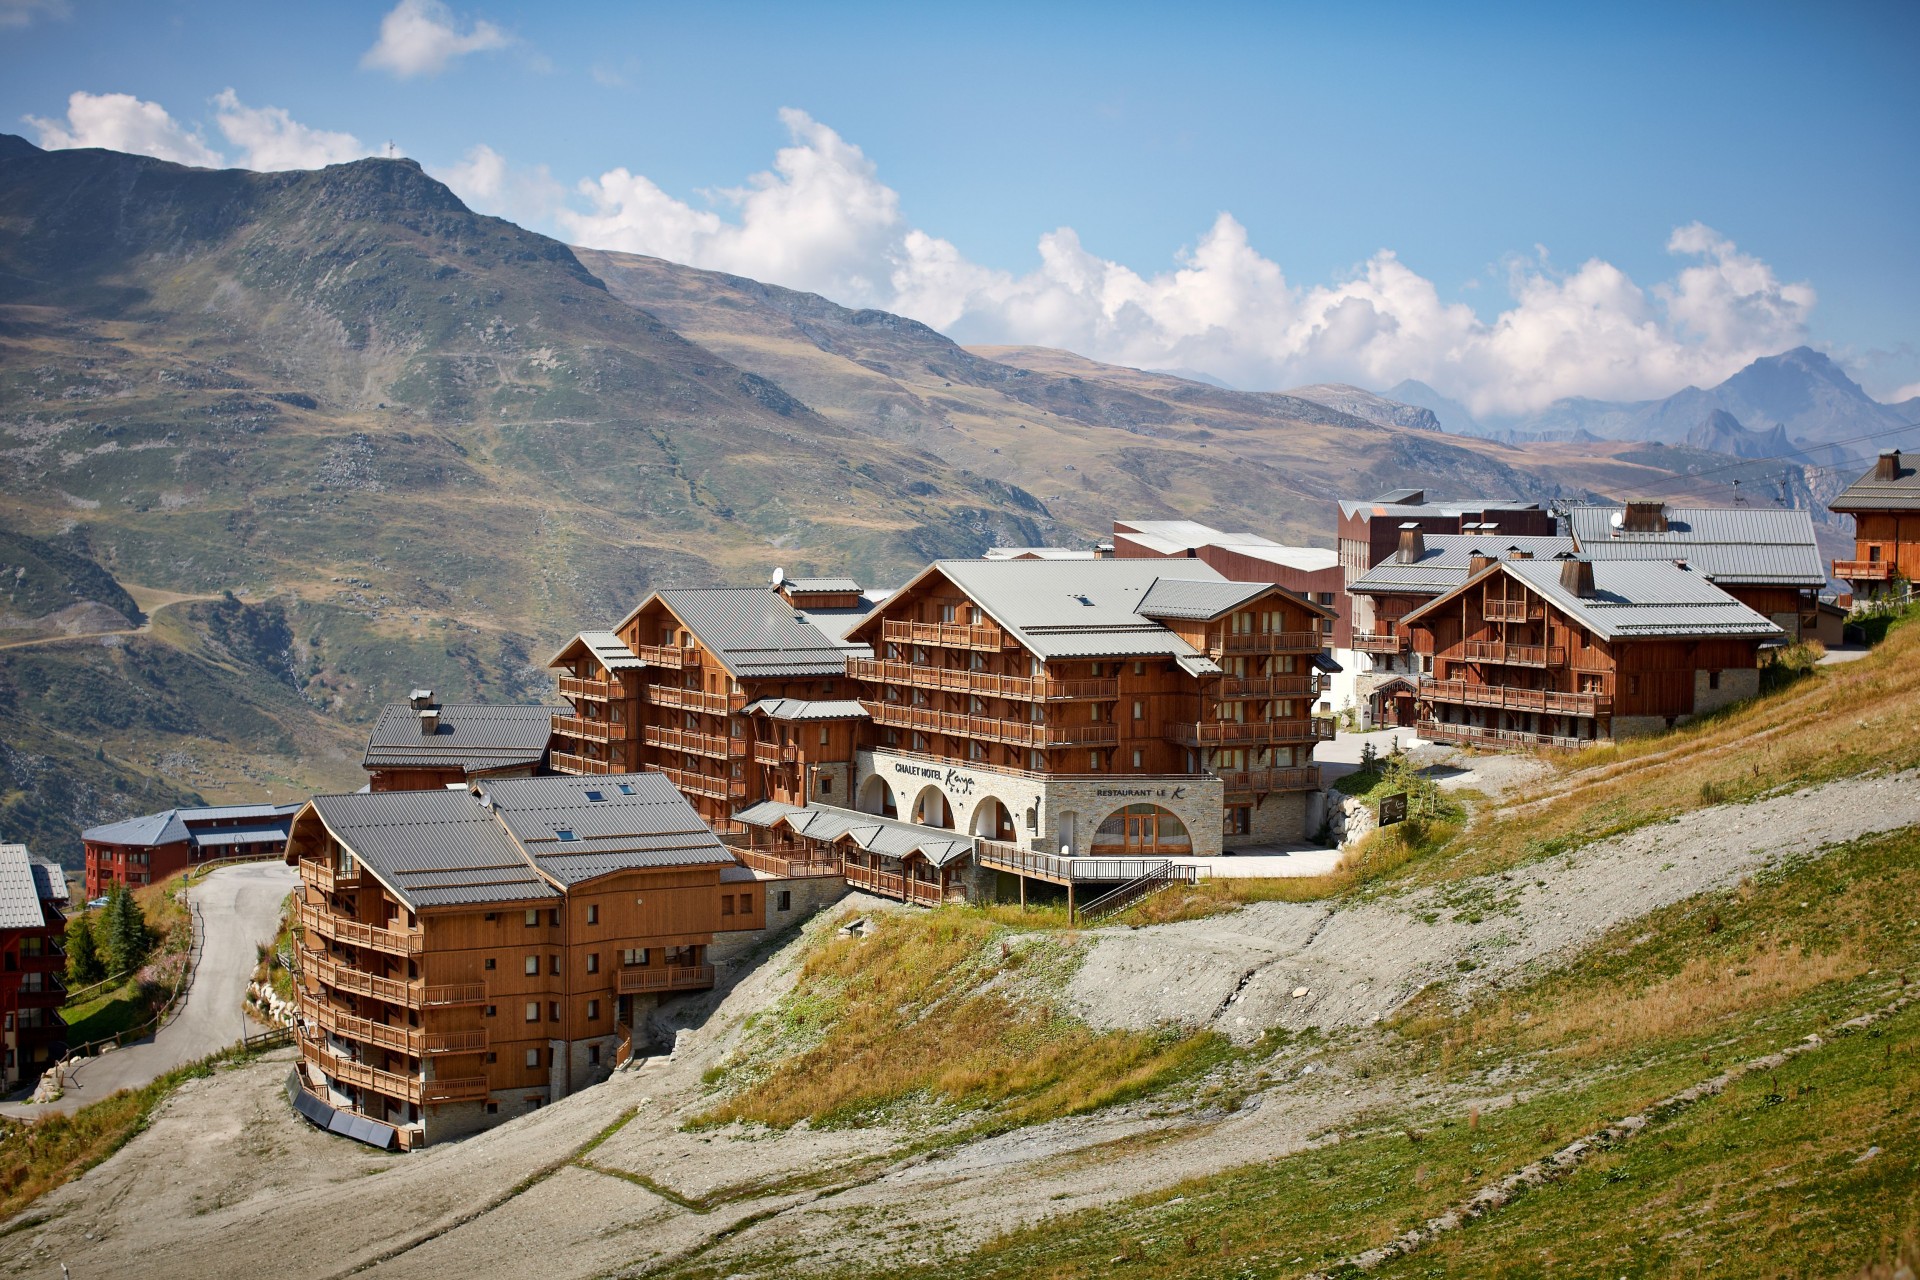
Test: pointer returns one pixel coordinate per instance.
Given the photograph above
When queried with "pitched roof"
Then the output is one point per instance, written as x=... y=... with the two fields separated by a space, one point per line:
x=1171 y=537
x=1445 y=562
x=1385 y=507
x=888 y=837
x=1634 y=599
x=1304 y=559
x=754 y=633
x=1902 y=493
x=472 y=736
x=519 y=839
x=604 y=647
x=1184 y=598
x=821 y=586
x=171 y=825
x=20 y=895
x=1740 y=546
x=808 y=709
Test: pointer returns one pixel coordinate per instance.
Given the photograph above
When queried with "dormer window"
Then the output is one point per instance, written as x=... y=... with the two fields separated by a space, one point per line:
x=626 y=788
x=596 y=796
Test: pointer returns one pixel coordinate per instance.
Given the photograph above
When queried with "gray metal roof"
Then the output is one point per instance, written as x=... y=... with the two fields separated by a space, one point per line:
x=171 y=825
x=1445 y=562
x=433 y=848
x=1384 y=507
x=51 y=882
x=246 y=833
x=606 y=648
x=653 y=827
x=472 y=736
x=1740 y=546
x=19 y=890
x=807 y=709
x=1199 y=601
x=1639 y=599
x=754 y=633
x=821 y=586
x=1902 y=493
x=888 y=837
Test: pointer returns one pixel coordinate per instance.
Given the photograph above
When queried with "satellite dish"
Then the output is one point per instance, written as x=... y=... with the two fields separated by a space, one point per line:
x=779 y=576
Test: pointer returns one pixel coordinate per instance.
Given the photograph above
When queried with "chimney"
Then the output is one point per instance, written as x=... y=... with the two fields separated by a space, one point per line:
x=421 y=699
x=1515 y=553
x=1645 y=517
x=1888 y=467
x=1576 y=576
x=1478 y=562
x=1413 y=544
x=429 y=721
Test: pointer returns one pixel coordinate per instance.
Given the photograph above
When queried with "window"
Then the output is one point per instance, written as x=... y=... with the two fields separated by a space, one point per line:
x=492 y=1058
x=596 y=796
x=1239 y=819
x=826 y=735
x=553 y=917
x=593 y=962
x=1633 y=684
x=533 y=1011
x=564 y=834
x=553 y=965
x=1099 y=669
x=746 y=904
x=1713 y=679
x=1137 y=758
x=593 y=1010
x=593 y=1050
x=553 y=1011
x=489 y=964
x=593 y=913
x=493 y=1108
x=634 y=956
x=490 y=1011
x=1096 y=712
x=1139 y=668
x=1139 y=709
x=726 y=904
x=826 y=786
x=1093 y=762
x=786 y=900
x=533 y=1059
x=626 y=788
x=533 y=919
x=533 y=966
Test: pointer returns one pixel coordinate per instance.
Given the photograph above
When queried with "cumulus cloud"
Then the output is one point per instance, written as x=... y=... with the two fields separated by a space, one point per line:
x=821 y=219
x=420 y=37
x=485 y=180
x=269 y=138
x=24 y=13
x=122 y=122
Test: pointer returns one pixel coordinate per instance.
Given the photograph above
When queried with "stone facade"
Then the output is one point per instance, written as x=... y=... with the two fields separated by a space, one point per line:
x=788 y=903
x=1280 y=818
x=1736 y=684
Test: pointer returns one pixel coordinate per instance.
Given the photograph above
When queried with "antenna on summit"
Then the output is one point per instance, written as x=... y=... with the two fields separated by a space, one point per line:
x=391 y=149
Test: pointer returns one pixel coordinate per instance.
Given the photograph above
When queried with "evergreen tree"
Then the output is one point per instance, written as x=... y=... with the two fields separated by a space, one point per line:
x=84 y=966
x=125 y=942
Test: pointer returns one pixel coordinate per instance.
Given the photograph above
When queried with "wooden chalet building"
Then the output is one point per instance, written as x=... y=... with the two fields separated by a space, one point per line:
x=1385 y=663
x=1313 y=573
x=1570 y=652
x=33 y=963
x=148 y=849
x=1885 y=506
x=736 y=694
x=421 y=744
x=1767 y=559
x=470 y=954
x=1140 y=707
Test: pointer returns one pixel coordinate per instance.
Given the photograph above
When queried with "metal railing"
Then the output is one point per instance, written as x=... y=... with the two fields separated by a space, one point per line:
x=951 y=635
x=1548 y=701
x=672 y=977
x=1002 y=856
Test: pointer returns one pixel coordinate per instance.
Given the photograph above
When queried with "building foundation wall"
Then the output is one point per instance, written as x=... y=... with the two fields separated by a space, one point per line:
x=1737 y=684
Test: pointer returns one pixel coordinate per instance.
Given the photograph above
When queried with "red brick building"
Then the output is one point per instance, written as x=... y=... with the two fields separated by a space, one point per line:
x=148 y=849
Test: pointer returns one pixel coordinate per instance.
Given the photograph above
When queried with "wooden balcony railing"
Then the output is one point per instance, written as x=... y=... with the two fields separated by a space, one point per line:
x=1298 y=684
x=406 y=1088
x=983 y=684
x=892 y=884
x=407 y=1040
x=1325 y=728
x=447 y=995
x=950 y=635
x=1019 y=732
x=1269 y=642
x=1514 y=655
x=776 y=752
x=705 y=784
x=589 y=730
x=566 y=762
x=327 y=878
x=1211 y=733
x=712 y=704
x=596 y=690
x=666 y=655
x=1511 y=610
x=1864 y=570
x=671 y=977
x=1379 y=642
x=793 y=865
x=1303 y=778
x=1473 y=735
x=693 y=742
x=1546 y=701
x=398 y=942
x=316 y=967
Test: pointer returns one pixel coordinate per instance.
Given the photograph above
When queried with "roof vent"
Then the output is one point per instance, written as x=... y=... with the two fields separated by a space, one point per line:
x=1478 y=562
x=1413 y=544
x=1645 y=517
x=430 y=721
x=1888 y=467
x=420 y=699
x=1576 y=577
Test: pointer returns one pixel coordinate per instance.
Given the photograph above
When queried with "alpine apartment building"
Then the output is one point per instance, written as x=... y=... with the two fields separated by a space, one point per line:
x=148 y=849
x=1885 y=506
x=33 y=963
x=470 y=954
x=421 y=744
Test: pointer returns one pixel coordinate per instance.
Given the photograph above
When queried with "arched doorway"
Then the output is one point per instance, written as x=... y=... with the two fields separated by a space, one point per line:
x=992 y=820
x=877 y=797
x=1142 y=829
x=930 y=809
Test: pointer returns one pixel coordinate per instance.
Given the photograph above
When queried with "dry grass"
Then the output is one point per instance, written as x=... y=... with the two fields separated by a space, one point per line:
x=947 y=1009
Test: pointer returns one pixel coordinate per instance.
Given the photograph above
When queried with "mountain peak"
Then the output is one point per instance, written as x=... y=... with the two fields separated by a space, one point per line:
x=13 y=146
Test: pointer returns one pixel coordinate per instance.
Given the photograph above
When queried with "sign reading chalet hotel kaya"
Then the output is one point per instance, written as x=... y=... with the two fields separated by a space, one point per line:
x=954 y=781
x=1393 y=808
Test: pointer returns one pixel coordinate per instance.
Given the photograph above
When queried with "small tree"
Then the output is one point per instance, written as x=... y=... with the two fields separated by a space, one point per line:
x=84 y=965
x=125 y=929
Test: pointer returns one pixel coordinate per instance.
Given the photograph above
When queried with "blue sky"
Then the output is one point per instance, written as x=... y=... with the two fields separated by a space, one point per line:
x=1462 y=141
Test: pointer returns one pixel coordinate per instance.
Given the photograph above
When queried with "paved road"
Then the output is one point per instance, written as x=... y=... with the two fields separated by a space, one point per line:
x=239 y=908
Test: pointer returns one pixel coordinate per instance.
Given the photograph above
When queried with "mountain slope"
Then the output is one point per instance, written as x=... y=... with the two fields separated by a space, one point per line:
x=1362 y=403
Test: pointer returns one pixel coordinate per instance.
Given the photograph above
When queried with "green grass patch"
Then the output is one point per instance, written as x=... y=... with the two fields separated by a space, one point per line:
x=108 y=1012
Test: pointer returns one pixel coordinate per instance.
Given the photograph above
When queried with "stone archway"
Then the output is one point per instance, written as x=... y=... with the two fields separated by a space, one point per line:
x=992 y=820
x=1142 y=830
x=877 y=797
x=930 y=808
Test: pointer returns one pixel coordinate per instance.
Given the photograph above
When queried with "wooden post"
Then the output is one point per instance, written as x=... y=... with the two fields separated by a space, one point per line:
x=1023 y=891
x=1069 y=900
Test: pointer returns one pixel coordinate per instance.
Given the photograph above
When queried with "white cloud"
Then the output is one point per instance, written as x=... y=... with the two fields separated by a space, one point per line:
x=822 y=220
x=489 y=184
x=1900 y=394
x=420 y=37
x=122 y=122
x=269 y=138
x=23 y=13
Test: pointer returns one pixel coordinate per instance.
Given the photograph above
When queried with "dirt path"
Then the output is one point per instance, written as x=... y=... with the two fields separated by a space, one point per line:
x=150 y=601
x=611 y=1182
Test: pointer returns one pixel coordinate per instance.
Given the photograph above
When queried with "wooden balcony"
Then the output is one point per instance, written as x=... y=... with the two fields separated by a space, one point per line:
x=892 y=884
x=1513 y=655
x=948 y=635
x=1298 y=684
x=1256 y=781
x=589 y=730
x=407 y=1088
x=1865 y=570
x=1002 y=855
x=1023 y=733
x=593 y=690
x=704 y=784
x=776 y=753
x=327 y=878
x=1545 y=701
x=1512 y=610
x=1214 y=733
x=1379 y=642
x=983 y=684
x=316 y=967
x=1269 y=642
x=407 y=1040
x=666 y=655
x=794 y=865
x=669 y=977
x=448 y=995
x=1467 y=735
x=1325 y=728
x=712 y=704
x=396 y=942
x=566 y=762
x=693 y=742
